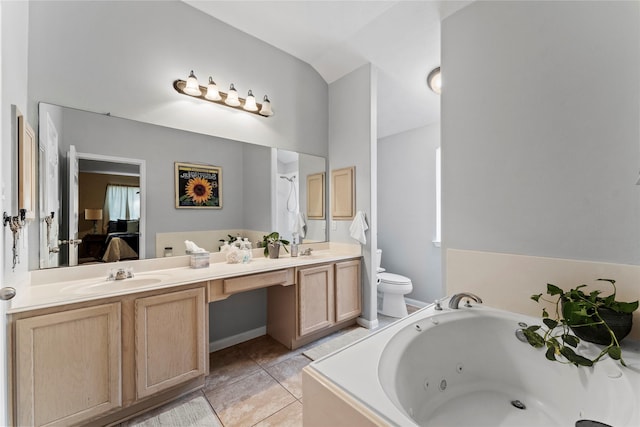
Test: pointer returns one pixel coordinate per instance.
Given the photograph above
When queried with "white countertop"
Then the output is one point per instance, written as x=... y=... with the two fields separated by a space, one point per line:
x=60 y=286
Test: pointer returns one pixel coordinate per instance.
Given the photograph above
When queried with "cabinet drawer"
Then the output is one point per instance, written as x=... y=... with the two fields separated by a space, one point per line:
x=256 y=281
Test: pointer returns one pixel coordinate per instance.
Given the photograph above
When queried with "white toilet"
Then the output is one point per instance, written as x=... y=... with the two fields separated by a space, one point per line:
x=391 y=291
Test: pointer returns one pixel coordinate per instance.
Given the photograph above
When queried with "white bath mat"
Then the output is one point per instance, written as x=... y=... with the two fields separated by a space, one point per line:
x=337 y=343
x=194 y=412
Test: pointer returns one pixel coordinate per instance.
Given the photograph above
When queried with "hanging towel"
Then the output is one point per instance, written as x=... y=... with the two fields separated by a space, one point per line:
x=358 y=227
x=300 y=226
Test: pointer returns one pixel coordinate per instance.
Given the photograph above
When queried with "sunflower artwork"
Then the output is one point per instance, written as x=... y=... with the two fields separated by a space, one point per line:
x=198 y=186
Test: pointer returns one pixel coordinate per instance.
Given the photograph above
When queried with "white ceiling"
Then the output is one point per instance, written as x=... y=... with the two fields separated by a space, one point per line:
x=400 y=38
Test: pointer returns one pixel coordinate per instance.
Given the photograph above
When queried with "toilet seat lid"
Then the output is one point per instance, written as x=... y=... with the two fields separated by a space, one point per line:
x=394 y=279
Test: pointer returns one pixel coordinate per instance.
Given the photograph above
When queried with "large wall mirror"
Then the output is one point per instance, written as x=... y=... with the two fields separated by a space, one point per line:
x=293 y=220
x=108 y=179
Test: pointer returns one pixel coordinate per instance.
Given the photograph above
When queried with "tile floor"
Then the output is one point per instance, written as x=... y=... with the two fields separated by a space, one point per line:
x=255 y=383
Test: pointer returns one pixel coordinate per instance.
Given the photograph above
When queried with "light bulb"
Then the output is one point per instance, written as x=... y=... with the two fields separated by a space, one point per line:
x=232 y=97
x=250 y=102
x=192 y=88
x=266 y=107
x=212 y=91
x=434 y=80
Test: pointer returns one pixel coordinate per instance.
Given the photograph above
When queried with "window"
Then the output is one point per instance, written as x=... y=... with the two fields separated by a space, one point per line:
x=438 y=237
x=122 y=202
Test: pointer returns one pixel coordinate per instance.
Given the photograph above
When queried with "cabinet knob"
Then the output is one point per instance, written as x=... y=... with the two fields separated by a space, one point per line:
x=7 y=293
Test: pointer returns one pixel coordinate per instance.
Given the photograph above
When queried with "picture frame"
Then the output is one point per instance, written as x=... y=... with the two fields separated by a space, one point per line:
x=198 y=186
x=27 y=167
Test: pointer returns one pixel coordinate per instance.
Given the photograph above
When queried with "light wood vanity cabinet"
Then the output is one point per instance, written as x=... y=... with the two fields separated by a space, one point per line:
x=315 y=299
x=68 y=365
x=103 y=360
x=348 y=290
x=171 y=341
x=326 y=297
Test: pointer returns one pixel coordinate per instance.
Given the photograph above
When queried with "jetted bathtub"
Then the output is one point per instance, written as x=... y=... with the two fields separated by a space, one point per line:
x=466 y=367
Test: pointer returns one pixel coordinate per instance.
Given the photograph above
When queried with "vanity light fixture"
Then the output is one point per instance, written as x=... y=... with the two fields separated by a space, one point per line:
x=192 y=88
x=434 y=80
x=266 y=107
x=250 y=102
x=212 y=91
x=232 y=97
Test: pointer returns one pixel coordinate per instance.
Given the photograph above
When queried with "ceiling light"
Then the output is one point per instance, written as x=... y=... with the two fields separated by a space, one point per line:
x=190 y=87
x=434 y=80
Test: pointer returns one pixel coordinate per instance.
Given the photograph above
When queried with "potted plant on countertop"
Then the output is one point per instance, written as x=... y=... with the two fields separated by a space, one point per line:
x=591 y=317
x=272 y=242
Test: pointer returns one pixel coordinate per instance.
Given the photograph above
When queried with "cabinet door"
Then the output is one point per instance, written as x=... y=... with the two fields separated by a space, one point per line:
x=171 y=346
x=348 y=290
x=68 y=366
x=315 y=299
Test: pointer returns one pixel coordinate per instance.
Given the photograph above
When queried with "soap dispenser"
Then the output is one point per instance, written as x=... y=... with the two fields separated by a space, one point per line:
x=246 y=250
x=294 y=247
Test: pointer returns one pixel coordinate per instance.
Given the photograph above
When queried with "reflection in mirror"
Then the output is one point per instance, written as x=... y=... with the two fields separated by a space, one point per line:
x=110 y=210
x=247 y=170
x=293 y=221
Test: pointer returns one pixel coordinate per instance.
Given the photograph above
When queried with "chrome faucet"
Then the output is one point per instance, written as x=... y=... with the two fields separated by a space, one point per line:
x=306 y=252
x=456 y=298
x=121 y=274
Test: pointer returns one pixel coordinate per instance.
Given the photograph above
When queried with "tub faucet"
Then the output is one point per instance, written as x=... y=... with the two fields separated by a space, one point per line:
x=456 y=298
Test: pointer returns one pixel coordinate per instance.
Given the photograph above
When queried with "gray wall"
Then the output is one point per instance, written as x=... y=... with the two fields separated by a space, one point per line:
x=352 y=142
x=13 y=92
x=540 y=129
x=122 y=57
x=245 y=170
x=407 y=209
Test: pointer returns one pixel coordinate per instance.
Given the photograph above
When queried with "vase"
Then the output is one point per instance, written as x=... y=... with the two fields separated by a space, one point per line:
x=274 y=250
x=620 y=324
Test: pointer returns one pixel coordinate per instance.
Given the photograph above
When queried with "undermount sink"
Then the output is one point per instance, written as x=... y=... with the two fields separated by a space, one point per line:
x=115 y=285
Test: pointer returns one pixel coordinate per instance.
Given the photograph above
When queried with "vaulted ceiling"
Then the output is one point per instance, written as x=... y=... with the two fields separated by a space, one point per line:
x=400 y=38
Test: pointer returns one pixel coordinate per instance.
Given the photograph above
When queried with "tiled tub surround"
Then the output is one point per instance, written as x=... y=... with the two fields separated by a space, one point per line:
x=507 y=281
x=146 y=336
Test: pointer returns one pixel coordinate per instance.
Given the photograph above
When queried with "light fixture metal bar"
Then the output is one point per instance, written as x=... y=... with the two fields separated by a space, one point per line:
x=179 y=86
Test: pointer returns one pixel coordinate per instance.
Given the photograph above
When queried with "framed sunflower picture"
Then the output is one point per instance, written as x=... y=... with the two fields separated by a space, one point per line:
x=198 y=186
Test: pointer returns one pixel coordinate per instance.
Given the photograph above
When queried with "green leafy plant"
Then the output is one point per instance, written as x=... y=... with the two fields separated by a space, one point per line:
x=231 y=239
x=273 y=238
x=578 y=312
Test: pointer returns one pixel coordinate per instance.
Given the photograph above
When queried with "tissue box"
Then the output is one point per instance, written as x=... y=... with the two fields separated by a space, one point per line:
x=199 y=259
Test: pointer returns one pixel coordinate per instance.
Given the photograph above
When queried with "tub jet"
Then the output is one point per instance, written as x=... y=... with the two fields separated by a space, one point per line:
x=518 y=404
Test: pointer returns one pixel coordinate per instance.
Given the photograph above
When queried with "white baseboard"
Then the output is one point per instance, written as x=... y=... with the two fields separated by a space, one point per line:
x=416 y=303
x=369 y=324
x=237 y=339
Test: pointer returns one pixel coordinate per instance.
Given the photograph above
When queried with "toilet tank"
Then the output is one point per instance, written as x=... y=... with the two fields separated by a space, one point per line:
x=378 y=259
